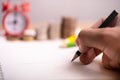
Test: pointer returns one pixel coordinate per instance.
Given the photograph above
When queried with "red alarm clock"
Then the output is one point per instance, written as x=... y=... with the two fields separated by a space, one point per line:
x=6 y=5
x=15 y=21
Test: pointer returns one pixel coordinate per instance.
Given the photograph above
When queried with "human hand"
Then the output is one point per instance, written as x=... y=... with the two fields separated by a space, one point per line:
x=93 y=41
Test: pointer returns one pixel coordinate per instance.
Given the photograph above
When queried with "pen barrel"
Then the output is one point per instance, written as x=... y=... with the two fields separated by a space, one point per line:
x=109 y=19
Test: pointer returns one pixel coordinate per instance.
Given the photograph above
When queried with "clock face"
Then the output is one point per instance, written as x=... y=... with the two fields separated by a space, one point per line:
x=15 y=23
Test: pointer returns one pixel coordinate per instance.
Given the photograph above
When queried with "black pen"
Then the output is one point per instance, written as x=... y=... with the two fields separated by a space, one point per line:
x=108 y=20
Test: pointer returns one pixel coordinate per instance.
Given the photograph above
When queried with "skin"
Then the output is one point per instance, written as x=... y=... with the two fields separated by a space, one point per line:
x=94 y=41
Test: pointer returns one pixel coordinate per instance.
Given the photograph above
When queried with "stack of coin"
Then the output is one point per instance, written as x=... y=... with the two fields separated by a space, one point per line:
x=68 y=26
x=54 y=31
x=29 y=34
x=2 y=31
x=42 y=30
x=12 y=38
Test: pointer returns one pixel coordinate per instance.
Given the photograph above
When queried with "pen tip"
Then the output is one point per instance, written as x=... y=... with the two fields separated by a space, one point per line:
x=72 y=60
x=77 y=54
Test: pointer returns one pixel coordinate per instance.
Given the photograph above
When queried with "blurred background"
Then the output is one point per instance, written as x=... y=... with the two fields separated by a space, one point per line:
x=84 y=10
x=62 y=13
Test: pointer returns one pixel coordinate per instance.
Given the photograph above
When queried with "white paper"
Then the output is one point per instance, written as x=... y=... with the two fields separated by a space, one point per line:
x=44 y=60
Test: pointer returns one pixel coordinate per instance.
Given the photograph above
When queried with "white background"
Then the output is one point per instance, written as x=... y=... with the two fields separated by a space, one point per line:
x=84 y=10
